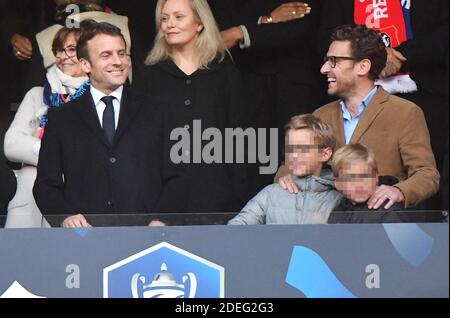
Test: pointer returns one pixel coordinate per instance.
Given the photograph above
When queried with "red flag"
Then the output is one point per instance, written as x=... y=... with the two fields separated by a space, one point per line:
x=385 y=16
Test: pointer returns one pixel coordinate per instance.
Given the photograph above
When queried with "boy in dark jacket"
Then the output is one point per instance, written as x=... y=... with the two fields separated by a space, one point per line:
x=356 y=176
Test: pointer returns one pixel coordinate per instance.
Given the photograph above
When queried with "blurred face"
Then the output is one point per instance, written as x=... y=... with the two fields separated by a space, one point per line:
x=66 y=58
x=358 y=181
x=304 y=156
x=178 y=23
x=109 y=62
x=341 y=77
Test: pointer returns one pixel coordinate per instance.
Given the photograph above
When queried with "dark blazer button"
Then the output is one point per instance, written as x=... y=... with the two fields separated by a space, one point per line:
x=187 y=102
x=110 y=204
x=188 y=82
x=112 y=160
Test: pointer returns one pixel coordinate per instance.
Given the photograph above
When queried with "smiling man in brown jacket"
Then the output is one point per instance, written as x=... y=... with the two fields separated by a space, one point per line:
x=394 y=128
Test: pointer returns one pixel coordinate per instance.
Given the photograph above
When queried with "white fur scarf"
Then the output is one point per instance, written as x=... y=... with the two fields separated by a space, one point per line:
x=62 y=83
x=398 y=83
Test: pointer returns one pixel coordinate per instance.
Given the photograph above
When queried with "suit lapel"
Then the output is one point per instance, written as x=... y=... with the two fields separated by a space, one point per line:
x=89 y=117
x=337 y=121
x=129 y=107
x=371 y=112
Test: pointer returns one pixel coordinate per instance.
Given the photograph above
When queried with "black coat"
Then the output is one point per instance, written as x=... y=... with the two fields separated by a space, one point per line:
x=213 y=96
x=80 y=172
x=286 y=48
x=282 y=57
x=380 y=215
x=8 y=185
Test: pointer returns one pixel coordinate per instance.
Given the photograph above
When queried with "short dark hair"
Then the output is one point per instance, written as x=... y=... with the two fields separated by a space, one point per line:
x=90 y=29
x=61 y=36
x=365 y=43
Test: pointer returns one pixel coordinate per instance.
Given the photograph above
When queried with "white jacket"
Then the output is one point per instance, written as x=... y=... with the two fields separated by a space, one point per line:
x=22 y=145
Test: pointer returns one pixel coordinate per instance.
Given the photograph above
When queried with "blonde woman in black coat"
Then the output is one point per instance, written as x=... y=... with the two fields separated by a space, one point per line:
x=190 y=69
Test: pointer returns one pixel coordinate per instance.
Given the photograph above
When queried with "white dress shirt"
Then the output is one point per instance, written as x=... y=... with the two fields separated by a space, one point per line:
x=100 y=105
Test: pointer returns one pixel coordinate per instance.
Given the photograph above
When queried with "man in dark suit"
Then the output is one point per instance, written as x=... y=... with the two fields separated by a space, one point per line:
x=101 y=153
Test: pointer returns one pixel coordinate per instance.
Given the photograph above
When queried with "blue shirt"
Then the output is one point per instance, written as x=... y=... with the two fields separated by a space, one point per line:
x=351 y=123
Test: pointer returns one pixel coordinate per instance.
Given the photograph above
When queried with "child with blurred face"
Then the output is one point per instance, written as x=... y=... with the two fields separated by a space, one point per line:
x=356 y=173
x=305 y=153
x=309 y=145
x=356 y=176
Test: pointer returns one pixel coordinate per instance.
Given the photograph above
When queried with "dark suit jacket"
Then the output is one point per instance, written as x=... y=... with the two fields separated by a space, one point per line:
x=80 y=172
x=8 y=185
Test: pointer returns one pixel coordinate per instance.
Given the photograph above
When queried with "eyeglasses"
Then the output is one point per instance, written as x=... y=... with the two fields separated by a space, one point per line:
x=333 y=59
x=302 y=148
x=71 y=51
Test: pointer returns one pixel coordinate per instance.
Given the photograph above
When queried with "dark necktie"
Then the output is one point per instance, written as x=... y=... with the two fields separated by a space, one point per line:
x=109 y=125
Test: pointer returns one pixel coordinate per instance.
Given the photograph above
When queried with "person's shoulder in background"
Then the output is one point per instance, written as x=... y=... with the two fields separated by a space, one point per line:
x=8 y=185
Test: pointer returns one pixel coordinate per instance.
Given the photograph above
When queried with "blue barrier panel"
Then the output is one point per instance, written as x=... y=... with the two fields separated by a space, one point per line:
x=364 y=260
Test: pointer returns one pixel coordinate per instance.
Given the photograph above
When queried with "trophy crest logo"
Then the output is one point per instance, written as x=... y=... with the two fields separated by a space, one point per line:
x=163 y=285
x=164 y=271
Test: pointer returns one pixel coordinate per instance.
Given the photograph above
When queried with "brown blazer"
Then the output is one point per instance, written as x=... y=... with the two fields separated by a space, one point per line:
x=396 y=130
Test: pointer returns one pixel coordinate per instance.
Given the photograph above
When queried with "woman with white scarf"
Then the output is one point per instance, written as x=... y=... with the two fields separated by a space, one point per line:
x=65 y=82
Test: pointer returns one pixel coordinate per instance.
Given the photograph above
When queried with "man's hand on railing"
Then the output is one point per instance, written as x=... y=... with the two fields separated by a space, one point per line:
x=76 y=221
x=157 y=223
